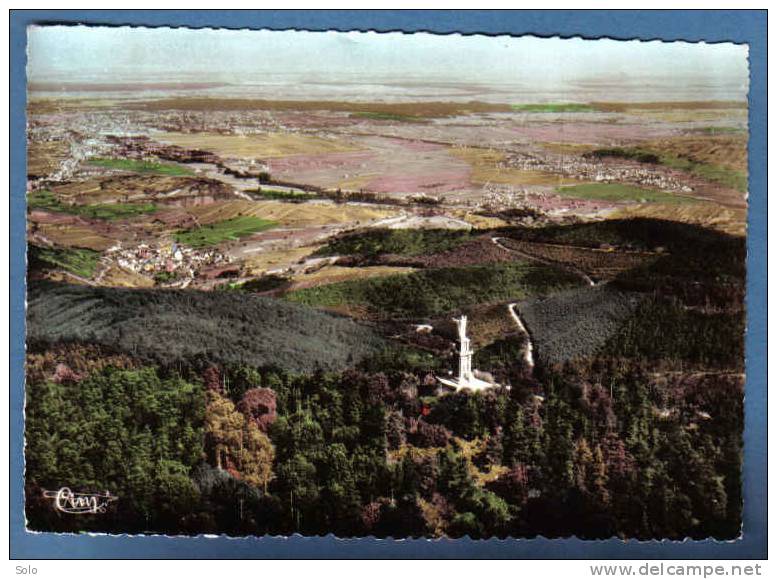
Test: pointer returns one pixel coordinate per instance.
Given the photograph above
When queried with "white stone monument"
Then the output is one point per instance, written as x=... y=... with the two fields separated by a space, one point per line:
x=466 y=378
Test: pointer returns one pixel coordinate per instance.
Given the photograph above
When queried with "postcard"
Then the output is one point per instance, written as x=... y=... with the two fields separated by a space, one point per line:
x=384 y=285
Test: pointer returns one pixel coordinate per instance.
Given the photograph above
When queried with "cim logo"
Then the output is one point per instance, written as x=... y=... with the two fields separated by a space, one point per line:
x=66 y=501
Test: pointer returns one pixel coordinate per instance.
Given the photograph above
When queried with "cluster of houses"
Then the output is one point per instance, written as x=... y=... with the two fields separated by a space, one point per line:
x=170 y=258
x=531 y=205
x=588 y=170
x=214 y=122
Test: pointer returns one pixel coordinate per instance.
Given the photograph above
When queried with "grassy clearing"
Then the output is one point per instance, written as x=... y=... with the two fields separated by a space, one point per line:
x=487 y=324
x=722 y=175
x=479 y=221
x=47 y=201
x=80 y=262
x=227 y=230
x=620 y=192
x=141 y=166
x=429 y=293
x=117 y=211
x=555 y=108
x=115 y=276
x=336 y=274
x=258 y=263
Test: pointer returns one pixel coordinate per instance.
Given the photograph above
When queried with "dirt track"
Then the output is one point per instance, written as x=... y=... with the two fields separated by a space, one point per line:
x=528 y=353
x=570 y=269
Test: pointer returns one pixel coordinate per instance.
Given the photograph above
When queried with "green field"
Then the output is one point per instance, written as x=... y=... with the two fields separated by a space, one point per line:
x=80 y=262
x=375 y=116
x=715 y=173
x=720 y=130
x=142 y=166
x=620 y=192
x=227 y=230
x=432 y=292
x=555 y=108
x=47 y=201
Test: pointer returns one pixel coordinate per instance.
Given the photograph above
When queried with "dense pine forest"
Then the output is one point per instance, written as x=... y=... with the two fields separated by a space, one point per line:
x=242 y=414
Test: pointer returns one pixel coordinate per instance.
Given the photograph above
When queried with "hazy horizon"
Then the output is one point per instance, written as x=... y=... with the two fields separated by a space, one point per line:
x=389 y=66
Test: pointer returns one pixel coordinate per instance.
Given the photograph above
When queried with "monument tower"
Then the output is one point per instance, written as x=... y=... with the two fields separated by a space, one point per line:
x=465 y=379
x=465 y=353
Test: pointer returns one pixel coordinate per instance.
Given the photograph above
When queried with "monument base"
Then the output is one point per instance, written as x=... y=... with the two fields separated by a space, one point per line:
x=474 y=384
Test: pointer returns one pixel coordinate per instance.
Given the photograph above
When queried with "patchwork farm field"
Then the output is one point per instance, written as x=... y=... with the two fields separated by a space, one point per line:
x=289 y=214
x=615 y=192
x=47 y=201
x=289 y=272
x=261 y=146
x=132 y=166
x=386 y=165
x=220 y=231
x=80 y=262
x=728 y=220
x=44 y=158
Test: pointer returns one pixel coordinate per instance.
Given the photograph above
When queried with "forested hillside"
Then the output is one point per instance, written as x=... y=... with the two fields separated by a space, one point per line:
x=612 y=450
x=173 y=326
x=226 y=412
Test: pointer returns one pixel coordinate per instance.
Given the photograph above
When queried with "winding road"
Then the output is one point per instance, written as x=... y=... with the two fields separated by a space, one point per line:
x=528 y=353
x=498 y=242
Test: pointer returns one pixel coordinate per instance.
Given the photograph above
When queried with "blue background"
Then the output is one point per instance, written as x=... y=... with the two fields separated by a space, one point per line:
x=693 y=25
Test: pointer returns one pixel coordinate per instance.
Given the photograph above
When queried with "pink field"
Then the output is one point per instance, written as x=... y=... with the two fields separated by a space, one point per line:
x=432 y=182
x=591 y=133
x=298 y=163
x=555 y=202
x=304 y=120
x=55 y=218
x=420 y=146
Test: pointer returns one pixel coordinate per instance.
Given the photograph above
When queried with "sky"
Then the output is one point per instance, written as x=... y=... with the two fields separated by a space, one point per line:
x=106 y=54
